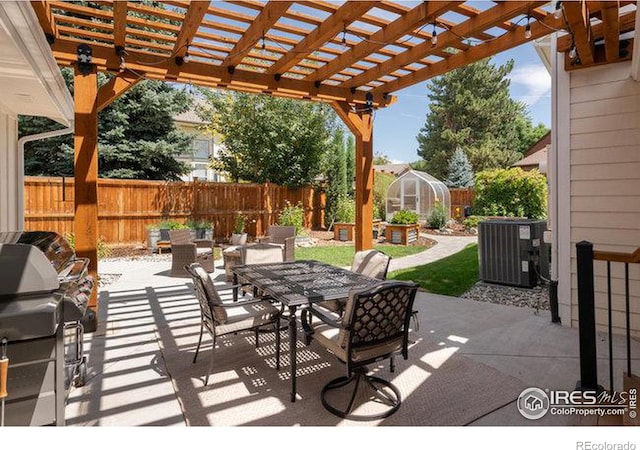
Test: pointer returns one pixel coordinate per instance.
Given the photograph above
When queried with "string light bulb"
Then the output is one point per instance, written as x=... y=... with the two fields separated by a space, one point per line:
x=434 y=35
x=344 y=37
x=186 y=58
x=573 y=52
x=527 y=29
x=557 y=13
x=120 y=53
x=263 y=45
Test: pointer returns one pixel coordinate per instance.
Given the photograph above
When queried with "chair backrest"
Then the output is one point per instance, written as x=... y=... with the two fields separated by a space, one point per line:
x=278 y=233
x=210 y=302
x=238 y=239
x=376 y=321
x=261 y=254
x=372 y=263
x=178 y=237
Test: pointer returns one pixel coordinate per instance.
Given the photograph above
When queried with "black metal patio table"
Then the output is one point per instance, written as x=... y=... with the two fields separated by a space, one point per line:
x=300 y=283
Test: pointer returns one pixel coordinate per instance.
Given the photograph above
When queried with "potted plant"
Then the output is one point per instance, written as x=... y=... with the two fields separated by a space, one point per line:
x=344 y=225
x=403 y=228
x=201 y=229
x=239 y=236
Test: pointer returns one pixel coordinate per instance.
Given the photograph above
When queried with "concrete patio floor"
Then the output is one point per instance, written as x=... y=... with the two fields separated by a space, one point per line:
x=128 y=385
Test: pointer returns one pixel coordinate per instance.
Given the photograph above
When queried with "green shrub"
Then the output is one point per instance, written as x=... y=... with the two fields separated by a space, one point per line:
x=472 y=221
x=293 y=216
x=238 y=227
x=171 y=225
x=438 y=216
x=198 y=224
x=511 y=193
x=104 y=251
x=405 y=217
x=345 y=209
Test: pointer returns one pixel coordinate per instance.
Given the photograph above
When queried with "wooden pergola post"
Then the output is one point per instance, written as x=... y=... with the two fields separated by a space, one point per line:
x=361 y=125
x=85 y=224
x=88 y=101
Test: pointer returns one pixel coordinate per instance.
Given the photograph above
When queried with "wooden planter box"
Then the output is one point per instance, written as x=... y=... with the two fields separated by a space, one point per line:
x=343 y=231
x=402 y=234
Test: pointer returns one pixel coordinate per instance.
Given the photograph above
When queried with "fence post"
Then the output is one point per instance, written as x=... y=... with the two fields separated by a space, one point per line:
x=587 y=318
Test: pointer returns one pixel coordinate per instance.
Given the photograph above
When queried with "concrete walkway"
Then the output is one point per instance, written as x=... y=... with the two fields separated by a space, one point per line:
x=446 y=246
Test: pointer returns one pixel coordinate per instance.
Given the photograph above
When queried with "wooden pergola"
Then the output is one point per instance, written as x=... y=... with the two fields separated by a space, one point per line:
x=353 y=55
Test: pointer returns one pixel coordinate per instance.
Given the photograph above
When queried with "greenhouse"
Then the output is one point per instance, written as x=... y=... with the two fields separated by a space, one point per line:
x=417 y=191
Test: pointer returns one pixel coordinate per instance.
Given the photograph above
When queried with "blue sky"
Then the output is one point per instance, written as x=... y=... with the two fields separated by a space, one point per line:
x=396 y=127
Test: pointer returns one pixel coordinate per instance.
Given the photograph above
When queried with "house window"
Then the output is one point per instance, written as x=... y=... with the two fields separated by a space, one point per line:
x=201 y=149
x=199 y=172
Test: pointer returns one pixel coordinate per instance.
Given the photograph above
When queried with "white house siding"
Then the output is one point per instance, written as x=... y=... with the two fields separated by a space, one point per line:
x=9 y=195
x=605 y=181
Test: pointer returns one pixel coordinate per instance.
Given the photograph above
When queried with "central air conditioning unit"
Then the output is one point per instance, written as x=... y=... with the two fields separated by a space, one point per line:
x=513 y=252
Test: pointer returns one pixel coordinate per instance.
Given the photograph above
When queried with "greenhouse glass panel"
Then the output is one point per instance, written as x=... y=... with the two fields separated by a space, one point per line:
x=416 y=191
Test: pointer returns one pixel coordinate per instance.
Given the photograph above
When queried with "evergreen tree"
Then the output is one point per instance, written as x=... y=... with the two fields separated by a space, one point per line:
x=269 y=139
x=336 y=174
x=137 y=137
x=460 y=171
x=471 y=108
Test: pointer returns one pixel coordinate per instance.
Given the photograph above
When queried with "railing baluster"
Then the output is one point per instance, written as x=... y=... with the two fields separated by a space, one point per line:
x=628 y=314
x=610 y=326
x=586 y=317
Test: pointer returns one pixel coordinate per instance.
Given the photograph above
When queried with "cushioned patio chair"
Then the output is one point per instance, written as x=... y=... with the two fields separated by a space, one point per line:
x=372 y=263
x=185 y=251
x=285 y=237
x=374 y=327
x=220 y=318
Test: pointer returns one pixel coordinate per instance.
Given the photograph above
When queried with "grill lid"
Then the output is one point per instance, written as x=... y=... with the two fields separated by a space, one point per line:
x=24 y=269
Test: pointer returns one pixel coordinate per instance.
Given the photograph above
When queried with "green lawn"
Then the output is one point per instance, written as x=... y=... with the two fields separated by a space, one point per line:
x=452 y=275
x=342 y=255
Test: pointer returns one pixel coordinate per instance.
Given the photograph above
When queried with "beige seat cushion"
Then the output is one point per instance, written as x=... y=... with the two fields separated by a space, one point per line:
x=243 y=317
x=212 y=293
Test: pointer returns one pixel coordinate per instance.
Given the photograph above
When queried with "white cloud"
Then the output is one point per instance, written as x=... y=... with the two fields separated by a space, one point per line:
x=531 y=82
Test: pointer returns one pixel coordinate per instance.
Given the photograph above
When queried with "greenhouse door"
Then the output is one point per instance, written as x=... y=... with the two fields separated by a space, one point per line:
x=410 y=195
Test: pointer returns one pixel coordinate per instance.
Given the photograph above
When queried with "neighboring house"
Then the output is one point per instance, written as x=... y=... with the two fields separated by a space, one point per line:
x=204 y=147
x=31 y=85
x=536 y=156
x=393 y=169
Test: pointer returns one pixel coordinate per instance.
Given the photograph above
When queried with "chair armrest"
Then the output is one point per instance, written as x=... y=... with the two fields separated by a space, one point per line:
x=242 y=302
x=326 y=318
x=203 y=243
x=264 y=240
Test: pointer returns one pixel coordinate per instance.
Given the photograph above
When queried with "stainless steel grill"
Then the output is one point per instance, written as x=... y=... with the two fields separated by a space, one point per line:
x=44 y=294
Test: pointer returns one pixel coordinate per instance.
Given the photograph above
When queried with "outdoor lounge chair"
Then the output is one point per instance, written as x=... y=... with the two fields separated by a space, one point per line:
x=224 y=318
x=285 y=237
x=185 y=251
x=375 y=326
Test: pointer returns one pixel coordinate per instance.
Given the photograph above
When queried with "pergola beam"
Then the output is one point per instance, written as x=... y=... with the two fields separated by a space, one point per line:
x=269 y=15
x=45 y=17
x=119 y=23
x=611 y=30
x=626 y=22
x=424 y=13
x=117 y=86
x=197 y=72
x=190 y=24
x=482 y=21
x=505 y=42
x=346 y=14
x=577 y=15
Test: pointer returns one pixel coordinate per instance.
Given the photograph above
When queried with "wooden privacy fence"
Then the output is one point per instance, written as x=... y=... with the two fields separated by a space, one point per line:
x=459 y=199
x=127 y=207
